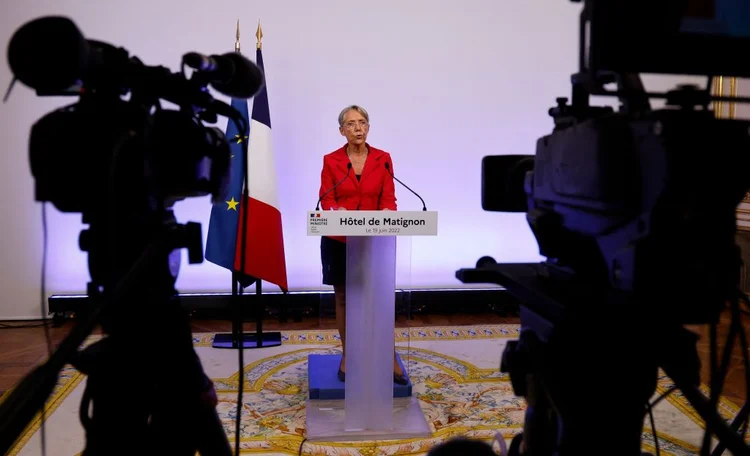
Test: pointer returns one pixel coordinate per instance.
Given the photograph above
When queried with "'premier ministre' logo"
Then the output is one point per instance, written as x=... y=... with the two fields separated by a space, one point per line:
x=317 y=220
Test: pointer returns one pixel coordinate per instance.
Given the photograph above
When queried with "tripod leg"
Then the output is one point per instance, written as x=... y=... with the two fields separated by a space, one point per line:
x=726 y=435
x=738 y=421
x=578 y=403
x=115 y=404
x=146 y=383
x=540 y=427
x=184 y=418
x=156 y=396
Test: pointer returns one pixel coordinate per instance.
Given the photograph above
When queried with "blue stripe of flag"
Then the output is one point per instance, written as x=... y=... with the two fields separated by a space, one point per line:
x=261 y=112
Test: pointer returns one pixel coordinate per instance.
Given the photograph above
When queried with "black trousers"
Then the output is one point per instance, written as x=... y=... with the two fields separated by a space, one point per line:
x=333 y=259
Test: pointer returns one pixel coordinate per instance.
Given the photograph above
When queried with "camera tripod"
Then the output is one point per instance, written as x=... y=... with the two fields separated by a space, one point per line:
x=576 y=402
x=146 y=392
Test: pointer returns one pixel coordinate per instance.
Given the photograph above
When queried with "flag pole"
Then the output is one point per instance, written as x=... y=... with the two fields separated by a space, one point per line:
x=271 y=339
x=260 y=308
x=238 y=338
x=237 y=38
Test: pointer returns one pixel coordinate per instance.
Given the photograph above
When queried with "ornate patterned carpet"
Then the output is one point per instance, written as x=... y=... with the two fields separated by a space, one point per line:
x=455 y=375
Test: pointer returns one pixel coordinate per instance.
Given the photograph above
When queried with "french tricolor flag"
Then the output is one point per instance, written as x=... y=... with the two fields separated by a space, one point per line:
x=258 y=216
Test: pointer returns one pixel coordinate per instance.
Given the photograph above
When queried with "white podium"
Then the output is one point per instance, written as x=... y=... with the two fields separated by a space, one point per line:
x=369 y=408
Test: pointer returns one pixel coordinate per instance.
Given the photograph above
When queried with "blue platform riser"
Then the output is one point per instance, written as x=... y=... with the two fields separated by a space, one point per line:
x=324 y=383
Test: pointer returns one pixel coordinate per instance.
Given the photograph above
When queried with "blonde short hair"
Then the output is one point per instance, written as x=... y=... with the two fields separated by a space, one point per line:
x=357 y=108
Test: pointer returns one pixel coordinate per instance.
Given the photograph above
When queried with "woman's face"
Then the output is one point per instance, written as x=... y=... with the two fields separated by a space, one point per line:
x=355 y=128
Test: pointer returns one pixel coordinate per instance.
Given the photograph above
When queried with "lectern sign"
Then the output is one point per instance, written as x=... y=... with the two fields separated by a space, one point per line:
x=372 y=223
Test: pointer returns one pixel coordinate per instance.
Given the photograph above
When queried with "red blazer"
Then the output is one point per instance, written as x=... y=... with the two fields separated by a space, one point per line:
x=374 y=190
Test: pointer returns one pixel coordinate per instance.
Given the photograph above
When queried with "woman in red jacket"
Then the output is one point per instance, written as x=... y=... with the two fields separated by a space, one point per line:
x=368 y=186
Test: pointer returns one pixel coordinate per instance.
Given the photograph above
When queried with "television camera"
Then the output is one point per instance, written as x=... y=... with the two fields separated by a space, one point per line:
x=122 y=160
x=634 y=211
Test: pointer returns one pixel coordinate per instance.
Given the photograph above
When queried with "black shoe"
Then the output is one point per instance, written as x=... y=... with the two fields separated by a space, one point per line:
x=400 y=379
x=342 y=374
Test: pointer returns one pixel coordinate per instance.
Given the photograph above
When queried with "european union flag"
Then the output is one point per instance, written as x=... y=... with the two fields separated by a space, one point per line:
x=223 y=227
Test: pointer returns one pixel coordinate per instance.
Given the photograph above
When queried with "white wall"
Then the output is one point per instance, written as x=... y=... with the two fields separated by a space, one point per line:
x=446 y=83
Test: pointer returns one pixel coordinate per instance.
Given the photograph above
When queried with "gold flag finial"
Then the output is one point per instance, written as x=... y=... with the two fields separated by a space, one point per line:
x=237 y=38
x=259 y=35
